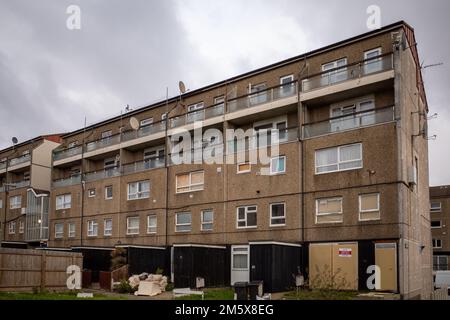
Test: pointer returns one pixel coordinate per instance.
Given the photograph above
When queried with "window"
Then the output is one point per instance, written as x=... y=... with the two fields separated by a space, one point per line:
x=335 y=75
x=26 y=176
x=277 y=214
x=59 y=230
x=1 y=203
x=436 y=224
x=183 y=222
x=369 y=207
x=244 y=167
x=259 y=93
x=352 y=114
x=436 y=207
x=373 y=65
x=107 y=227
x=109 y=166
x=246 y=217
x=72 y=144
x=154 y=157
x=71 y=228
x=164 y=116
x=269 y=127
x=195 y=112
x=278 y=165
x=133 y=225
x=15 y=202
x=21 y=226
x=63 y=201
x=341 y=158
x=106 y=134
x=145 y=122
x=329 y=210
x=12 y=227
x=287 y=85
x=437 y=243
x=138 y=190
x=192 y=181
x=440 y=263
x=240 y=257
x=91 y=193
x=92 y=228
x=219 y=101
x=151 y=223
x=207 y=220
x=108 y=192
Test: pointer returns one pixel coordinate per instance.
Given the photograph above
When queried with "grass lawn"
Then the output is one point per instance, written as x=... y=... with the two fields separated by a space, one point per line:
x=320 y=295
x=52 y=296
x=211 y=294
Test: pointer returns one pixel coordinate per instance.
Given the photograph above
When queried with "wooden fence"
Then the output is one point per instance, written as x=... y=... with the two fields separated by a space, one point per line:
x=26 y=269
x=440 y=294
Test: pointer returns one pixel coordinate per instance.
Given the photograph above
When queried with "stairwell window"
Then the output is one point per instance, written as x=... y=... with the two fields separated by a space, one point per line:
x=277 y=214
x=207 y=220
x=188 y=182
x=436 y=224
x=107 y=227
x=71 y=228
x=138 y=190
x=21 y=227
x=369 y=207
x=435 y=207
x=59 y=230
x=151 y=223
x=63 y=201
x=329 y=210
x=246 y=217
x=183 y=222
x=92 y=228
x=12 y=227
x=132 y=225
x=343 y=158
x=15 y=202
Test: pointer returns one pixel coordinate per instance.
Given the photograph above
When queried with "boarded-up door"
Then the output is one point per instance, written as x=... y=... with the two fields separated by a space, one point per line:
x=320 y=265
x=386 y=260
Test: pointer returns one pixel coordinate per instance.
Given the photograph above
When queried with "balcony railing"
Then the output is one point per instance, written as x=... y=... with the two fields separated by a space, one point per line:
x=348 y=72
x=261 y=97
x=2 y=189
x=348 y=122
x=143 y=165
x=144 y=131
x=19 y=160
x=198 y=115
x=103 y=174
x=66 y=153
x=3 y=165
x=19 y=184
x=67 y=181
x=102 y=143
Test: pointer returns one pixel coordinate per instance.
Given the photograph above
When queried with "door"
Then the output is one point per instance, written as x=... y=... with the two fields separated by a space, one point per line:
x=386 y=260
x=240 y=261
x=345 y=266
x=320 y=265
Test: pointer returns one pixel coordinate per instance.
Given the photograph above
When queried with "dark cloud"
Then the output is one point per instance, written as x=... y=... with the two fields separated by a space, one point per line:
x=128 y=52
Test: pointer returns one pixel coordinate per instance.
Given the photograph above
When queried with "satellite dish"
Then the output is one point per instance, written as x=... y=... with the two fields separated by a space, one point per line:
x=14 y=140
x=134 y=123
x=182 y=87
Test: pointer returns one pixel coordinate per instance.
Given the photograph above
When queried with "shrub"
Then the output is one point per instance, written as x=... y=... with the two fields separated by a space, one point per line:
x=124 y=287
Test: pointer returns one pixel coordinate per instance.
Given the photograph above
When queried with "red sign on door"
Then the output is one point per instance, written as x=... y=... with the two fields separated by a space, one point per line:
x=345 y=252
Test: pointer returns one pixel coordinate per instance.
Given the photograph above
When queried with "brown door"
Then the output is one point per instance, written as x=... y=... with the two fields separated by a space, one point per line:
x=320 y=265
x=345 y=266
x=386 y=260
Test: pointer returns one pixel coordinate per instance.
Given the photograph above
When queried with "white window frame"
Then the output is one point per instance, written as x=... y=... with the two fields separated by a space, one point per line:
x=145 y=122
x=59 y=234
x=203 y=222
x=91 y=193
x=370 y=210
x=106 y=134
x=183 y=224
x=190 y=185
x=155 y=226
x=336 y=73
x=240 y=250
x=132 y=231
x=66 y=201
x=338 y=157
x=15 y=204
x=272 y=172
x=106 y=192
x=374 y=60
x=71 y=233
x=435 y=210
x=139 y=194
x=244 y=171
x=21 y=227
x=435 y=242
x=330 y=213
x=278 y=217
x=92 y=228
x=274 y=122
x=440 y=224
x=289 y=86
x=1 y=203
x=12 y=227
x=247 y=211
x=195 y=112
x=107 y=232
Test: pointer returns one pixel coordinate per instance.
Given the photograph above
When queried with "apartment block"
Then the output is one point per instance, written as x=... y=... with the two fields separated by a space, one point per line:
x=25 y=184
x=440 y=226
x=347 y=190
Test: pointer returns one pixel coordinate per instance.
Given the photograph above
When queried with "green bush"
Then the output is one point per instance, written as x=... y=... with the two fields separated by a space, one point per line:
x=125 y=287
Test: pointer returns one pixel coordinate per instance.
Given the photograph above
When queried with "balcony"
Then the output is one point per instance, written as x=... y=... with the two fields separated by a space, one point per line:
x=349 y=122
x=344 y=78
x=102 y=143
x=2 y=189
x=103 y=174
x=65 y=182
x=67 y=153
x=144 y=131
x=140 y=166
x=3 y=165
x=19 y=160
x=19 y=184
x=198 y=115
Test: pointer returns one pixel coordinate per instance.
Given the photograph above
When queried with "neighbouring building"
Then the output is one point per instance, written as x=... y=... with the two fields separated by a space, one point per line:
x=440 y=226
x=25 y=183
x=347 y=191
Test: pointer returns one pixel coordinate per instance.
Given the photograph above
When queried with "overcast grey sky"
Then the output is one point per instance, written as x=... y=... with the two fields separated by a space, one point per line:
x=128 y=52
